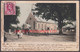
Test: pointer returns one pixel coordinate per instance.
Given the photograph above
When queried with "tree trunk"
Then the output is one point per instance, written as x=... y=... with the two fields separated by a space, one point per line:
x=60 y=31
x=60 y=24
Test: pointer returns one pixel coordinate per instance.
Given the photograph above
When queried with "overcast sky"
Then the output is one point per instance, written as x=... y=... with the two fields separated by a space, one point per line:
x=25 y=9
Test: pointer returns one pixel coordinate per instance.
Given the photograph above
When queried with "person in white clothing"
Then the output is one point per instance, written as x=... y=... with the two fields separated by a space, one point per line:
x=21 y=34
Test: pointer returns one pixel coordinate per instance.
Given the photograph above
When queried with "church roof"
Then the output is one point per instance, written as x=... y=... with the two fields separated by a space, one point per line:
x=41 y=19
x=44 y=20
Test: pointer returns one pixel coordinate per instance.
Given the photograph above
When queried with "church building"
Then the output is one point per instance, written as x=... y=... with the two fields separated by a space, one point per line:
x=38 y=23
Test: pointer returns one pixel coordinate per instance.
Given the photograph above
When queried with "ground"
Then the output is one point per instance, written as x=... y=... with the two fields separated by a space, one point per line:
x=40 y=38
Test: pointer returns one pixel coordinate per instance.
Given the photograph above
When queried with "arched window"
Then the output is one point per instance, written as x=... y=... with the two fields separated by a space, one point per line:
x=34 y=25
x=42 y=26
x=38 y=26
x=54 y=27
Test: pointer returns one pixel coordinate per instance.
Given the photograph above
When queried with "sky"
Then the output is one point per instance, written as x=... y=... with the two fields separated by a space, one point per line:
x=25 y=9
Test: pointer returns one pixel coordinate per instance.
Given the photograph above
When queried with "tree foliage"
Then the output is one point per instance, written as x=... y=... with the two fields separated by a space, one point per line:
x=11 y=19
x=56 y=11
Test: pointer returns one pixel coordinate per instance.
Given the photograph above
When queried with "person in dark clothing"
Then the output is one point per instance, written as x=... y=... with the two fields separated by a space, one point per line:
x=27 y=31
x=5 y=38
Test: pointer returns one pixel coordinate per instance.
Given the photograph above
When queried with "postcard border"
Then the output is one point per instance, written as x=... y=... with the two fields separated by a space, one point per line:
x=79 y=20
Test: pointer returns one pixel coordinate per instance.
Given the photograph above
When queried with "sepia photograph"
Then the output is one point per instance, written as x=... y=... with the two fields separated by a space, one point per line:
x=39 y=22
x=53 y=23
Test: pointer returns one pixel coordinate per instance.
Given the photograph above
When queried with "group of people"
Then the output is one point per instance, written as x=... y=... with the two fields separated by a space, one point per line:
x=19 y=34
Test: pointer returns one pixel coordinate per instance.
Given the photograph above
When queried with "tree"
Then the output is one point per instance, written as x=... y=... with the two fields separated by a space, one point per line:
x=56 y=11
x=23 y=26
x=11 y=19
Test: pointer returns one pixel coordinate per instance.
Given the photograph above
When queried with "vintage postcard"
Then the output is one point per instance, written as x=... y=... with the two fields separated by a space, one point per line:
x=40 y=25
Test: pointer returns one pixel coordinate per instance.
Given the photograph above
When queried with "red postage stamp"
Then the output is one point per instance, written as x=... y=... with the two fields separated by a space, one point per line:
x=10 y=8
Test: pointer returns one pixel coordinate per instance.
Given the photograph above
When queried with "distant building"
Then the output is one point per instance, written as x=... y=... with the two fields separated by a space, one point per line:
x=37 y=23
x=69 y=27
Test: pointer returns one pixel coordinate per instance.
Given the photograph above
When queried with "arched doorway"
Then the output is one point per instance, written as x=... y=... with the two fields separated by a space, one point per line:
x=48 y=28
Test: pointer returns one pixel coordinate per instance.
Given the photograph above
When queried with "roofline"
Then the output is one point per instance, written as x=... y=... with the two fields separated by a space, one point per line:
x=45 y=22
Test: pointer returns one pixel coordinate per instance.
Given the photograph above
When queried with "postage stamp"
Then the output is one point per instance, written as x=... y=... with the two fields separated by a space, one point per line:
x=10 y=8
x=40 y=26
